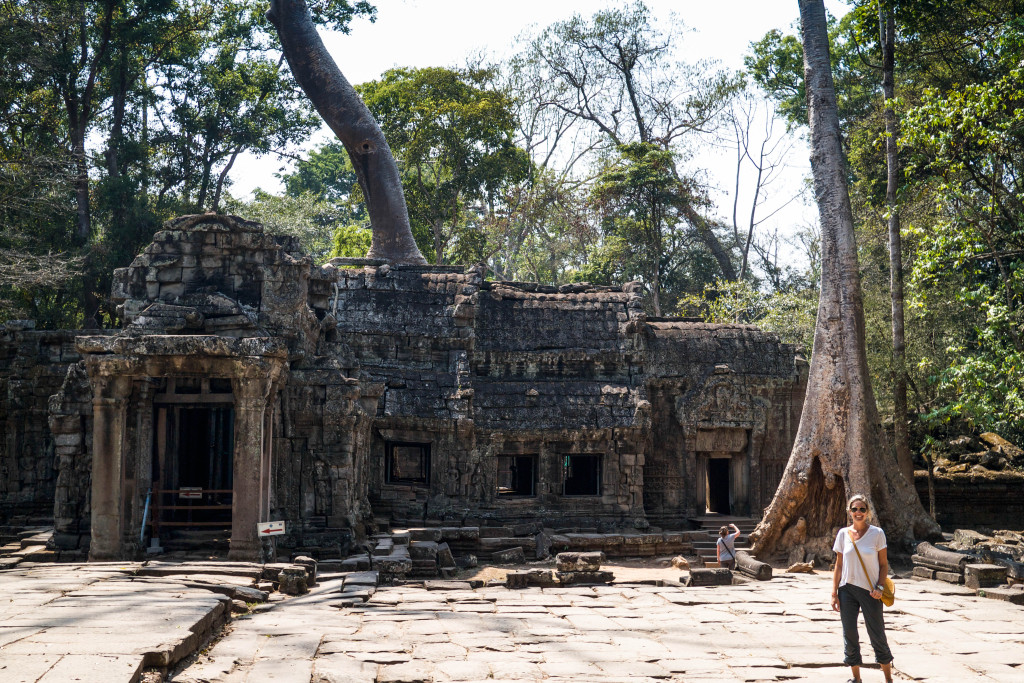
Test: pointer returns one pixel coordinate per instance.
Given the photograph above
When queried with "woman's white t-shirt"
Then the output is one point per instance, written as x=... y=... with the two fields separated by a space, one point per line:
x=869 y=545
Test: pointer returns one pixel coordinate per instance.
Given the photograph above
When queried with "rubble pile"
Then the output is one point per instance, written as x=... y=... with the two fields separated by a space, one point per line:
x=986 y=452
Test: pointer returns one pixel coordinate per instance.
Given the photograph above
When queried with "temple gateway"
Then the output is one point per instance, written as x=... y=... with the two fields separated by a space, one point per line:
x=249 y=385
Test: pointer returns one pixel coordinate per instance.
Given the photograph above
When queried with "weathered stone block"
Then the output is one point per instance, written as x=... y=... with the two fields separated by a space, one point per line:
x=1012 y=594
x=924 y=573
x=704 y=576
x=530 y=577
x=574 y=578
x=310 y=565
x=984 y=575
x=293 y=581
x=509 y=556
x=444 y=556
x=579 y=562
x=949 y=577
x=423 y=550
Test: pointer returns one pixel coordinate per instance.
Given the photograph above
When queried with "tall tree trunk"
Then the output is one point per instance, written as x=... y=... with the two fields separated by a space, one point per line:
x=840 y=448
x=899 y=355
x=340 y=106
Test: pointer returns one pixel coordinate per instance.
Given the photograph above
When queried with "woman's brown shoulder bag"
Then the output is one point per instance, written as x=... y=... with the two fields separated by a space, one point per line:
x=888 y=587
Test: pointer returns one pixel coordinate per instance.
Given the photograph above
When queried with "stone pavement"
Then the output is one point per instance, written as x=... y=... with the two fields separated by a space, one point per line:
x=98 y=622
x=780 y=630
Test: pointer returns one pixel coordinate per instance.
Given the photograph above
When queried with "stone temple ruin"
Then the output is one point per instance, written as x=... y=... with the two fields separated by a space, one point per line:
x=248 y=385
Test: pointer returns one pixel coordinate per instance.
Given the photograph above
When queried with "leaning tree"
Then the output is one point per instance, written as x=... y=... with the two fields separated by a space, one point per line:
x=340 y=106
x=840 y=447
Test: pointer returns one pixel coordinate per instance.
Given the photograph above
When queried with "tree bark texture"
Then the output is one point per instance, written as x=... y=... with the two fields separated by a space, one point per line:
x=901 y=434
x=840 y=448
x=343 y=110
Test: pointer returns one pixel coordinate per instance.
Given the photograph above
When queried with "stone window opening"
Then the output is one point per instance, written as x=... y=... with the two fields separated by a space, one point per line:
x=517 y=476
x=407 y=463
x=581 y=475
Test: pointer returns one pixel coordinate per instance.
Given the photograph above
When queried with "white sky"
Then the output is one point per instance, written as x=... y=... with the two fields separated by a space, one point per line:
x=422 y=33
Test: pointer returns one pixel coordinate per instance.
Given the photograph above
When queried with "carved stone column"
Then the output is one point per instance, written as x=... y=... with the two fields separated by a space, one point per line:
x=110 y=398
x=250 y=487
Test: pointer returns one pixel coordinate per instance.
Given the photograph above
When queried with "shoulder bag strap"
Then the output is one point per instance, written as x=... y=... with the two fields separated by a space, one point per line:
x=862 y=565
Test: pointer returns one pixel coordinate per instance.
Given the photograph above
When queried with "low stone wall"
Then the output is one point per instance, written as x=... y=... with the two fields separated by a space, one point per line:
x=993 y=500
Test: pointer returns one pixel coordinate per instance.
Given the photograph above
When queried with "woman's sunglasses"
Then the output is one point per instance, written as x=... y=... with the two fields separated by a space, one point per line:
x=858 y=509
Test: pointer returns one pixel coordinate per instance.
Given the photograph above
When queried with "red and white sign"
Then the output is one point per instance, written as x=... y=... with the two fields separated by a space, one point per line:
x=270 y=528
x=190 y=493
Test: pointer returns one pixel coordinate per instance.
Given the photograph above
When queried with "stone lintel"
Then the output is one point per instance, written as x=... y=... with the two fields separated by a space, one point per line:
x=178 y=344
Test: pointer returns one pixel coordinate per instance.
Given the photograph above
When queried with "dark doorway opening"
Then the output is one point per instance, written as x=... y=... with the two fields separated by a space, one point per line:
x=517 y=475
x=581 y=475
x=407 y=463
x=718 y=485
x=195 y=461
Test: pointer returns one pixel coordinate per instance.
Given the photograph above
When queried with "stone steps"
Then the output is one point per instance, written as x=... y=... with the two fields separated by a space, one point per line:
x=706 y=549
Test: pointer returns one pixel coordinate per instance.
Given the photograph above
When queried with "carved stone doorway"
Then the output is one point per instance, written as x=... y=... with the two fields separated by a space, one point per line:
x=194 y=468
x=718 y=486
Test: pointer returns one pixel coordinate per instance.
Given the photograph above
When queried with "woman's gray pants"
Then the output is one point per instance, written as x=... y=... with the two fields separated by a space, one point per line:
x=853 y=599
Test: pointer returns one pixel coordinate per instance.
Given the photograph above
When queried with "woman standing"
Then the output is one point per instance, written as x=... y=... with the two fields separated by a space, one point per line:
x=855 y=591
x=725 y=548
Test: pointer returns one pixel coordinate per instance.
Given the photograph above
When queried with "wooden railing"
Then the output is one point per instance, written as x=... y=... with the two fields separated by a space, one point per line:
x=190 y=500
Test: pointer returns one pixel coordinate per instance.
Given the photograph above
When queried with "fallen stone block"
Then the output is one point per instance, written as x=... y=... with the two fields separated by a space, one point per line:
x=575 y=578
x=362 y=579
x=446 y=585
x=1011 y=594
x=748 y=565
x=293 y=580
x=579 y=562
x=704 y=576
x=945 y=557
x=393 y=565
x=800 y=568
x=384 y=547
x=356 y=563
x=680 y=562
x=924 y=573
x=984 y=575
x=509 y=556
x=466 y=561
x=542 y=546
x=444 y=556
x=530 y=577
x=950 y=577
x=310 y=564
x=247 y=594
x=423 y=550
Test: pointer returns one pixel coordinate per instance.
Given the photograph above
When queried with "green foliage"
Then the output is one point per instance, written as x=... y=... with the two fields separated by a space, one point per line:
x=117 y=115
x=789 y=314
x=646 y=205
x=776 y=64
x=968 y=153
x=306 y=217
x=452 y=135
x=351 y=240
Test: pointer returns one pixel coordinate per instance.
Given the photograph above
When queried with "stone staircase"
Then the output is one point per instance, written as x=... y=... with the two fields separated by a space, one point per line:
x=711 y=523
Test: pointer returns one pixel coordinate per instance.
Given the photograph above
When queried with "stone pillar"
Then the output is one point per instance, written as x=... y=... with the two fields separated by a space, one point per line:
x=110 y=398
x=249 y=485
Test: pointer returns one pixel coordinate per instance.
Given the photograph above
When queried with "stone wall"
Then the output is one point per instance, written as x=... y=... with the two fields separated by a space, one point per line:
x=33 y=364
x=990 y=500
x=363 y=391
x=729 y=392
